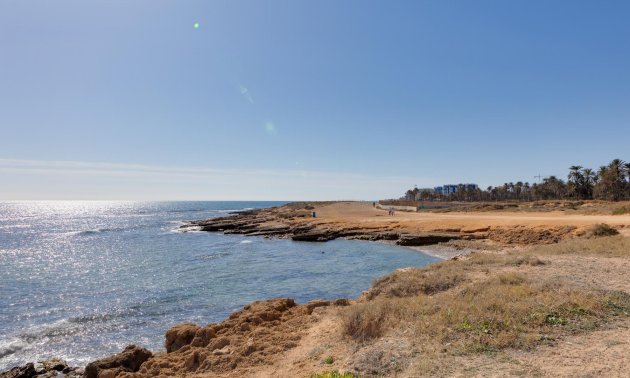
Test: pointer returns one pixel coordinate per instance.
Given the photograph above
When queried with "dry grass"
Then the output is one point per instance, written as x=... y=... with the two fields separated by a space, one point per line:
x=621 y=210
x=411 y=282
x=441 y=277
x=483 y=303
x=612 y=246
x=510 y=259
x=507 y=311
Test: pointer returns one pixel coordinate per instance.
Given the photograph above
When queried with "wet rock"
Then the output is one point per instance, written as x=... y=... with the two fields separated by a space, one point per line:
x=315 y=236
x=26 y=371
x=56 y=364
x=51 y=368
x=129 y=360
x=428 y=239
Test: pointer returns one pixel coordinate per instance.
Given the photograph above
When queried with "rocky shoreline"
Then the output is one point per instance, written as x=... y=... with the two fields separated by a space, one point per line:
x=247 y=339
x=44 y=369
x=294 y=221
x=446 y=238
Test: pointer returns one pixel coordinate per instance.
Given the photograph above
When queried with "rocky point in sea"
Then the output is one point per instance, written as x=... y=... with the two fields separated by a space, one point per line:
x=127 y=361
x=53 y=367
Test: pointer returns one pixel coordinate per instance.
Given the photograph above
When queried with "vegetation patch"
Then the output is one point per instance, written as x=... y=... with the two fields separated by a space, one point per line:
x=334 y=374
x=512 y=259
x=411 y=282
x=601 y=229
x=621 y=210
x=506 y=311
x=612 y=246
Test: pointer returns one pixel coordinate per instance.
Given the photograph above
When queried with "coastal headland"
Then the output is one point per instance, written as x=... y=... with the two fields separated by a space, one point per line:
x=443 y=232
x=526 y=290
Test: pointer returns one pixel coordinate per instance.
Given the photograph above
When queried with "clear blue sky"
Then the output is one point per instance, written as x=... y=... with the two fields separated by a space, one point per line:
x=120 y=99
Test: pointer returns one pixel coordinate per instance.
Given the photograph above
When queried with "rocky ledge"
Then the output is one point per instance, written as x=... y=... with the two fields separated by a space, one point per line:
x=51 y=368
x=294 y=221
x=127 y=361
x=340 y=220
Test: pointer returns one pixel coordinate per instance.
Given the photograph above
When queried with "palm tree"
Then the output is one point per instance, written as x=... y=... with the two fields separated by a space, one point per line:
x=554 y=187
x=574 y=173
x=589 y=180
x=616 y=169
x=611 y=181
x=575 y=180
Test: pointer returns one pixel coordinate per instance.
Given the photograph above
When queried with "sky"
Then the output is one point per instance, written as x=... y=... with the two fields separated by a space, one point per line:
x=305 y=100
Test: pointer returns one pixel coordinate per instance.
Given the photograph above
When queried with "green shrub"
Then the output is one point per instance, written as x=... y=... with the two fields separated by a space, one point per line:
x=601 y=229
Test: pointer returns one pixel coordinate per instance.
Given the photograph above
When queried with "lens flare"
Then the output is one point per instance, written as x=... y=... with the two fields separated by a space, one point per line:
x=270 y=128
x=196 y=25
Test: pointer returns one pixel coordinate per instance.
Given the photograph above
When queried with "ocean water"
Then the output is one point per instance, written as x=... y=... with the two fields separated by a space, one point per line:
x=81 y=280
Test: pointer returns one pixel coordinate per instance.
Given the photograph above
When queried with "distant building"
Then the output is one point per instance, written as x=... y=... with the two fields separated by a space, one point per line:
x=452 y=189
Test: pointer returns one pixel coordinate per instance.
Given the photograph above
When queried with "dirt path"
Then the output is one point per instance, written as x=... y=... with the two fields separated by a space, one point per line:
x=364 y=214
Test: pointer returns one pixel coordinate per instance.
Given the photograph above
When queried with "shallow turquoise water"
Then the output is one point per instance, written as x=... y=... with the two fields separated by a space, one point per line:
x=80 y=280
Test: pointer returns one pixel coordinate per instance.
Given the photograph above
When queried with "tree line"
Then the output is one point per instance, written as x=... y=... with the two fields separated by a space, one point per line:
x=609 y=182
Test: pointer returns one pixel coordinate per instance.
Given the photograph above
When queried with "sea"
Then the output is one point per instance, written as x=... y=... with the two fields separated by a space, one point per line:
x=81 y=280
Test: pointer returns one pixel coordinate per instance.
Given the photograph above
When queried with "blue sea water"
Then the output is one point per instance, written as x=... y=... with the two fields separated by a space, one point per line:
x=81 y=280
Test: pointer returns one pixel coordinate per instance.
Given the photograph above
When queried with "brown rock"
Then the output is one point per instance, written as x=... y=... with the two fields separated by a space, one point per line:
x=56 y=364
x=203 y=336
x=341 y=302
x=310 y=306
x=472 y=230
x=129 y=360
x=315 y=236
x=180 y=335
x=219 y=343
x=26 y=371
x=428 y=239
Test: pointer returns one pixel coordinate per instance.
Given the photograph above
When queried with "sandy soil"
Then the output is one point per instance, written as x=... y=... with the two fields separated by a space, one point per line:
x=360 y=214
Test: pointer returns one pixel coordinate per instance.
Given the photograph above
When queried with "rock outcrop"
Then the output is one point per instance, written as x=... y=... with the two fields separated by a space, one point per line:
x=293 y=221
x=425 y=239
x=129 y=360
x=248 y=339
x=51 y=368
